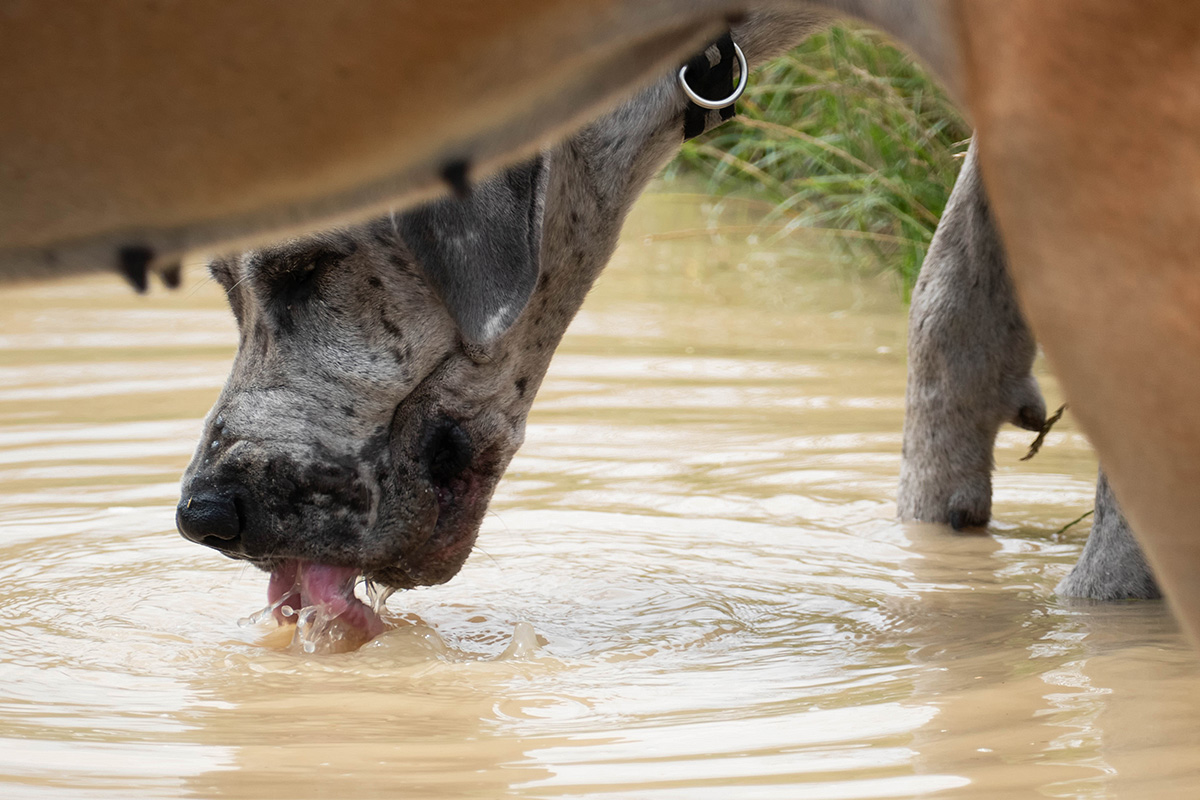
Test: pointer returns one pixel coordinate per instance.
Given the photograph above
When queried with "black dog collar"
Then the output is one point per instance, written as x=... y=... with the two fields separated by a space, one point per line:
x=708 y=80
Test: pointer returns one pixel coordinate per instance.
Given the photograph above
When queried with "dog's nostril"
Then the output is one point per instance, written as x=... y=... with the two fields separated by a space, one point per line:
x=447 y=451
x=208 y=515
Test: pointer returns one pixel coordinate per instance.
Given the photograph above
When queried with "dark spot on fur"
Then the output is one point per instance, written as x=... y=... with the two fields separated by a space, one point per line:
x=348 y=411
x=543 y=282
x=389 y=326
x=329 y=482
x=447 y=450
x=522 y=384
x=382 y=236
x=133 y=261
x=613 y=144
x=374 y=282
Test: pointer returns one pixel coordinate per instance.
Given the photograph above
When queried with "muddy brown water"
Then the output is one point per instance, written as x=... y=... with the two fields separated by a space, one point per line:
x=690 y=584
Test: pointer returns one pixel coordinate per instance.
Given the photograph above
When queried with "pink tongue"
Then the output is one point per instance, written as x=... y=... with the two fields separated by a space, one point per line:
x=284 y=587
x=330 y=588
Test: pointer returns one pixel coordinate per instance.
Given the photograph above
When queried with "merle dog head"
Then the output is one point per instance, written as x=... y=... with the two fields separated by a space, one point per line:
x=385 y=372
x=373 y=404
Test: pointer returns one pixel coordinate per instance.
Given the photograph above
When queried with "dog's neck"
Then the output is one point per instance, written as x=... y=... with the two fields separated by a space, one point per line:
x=597 y=174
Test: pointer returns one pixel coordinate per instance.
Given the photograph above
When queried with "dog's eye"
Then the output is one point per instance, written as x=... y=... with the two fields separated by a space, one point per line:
x=289 y=278
x=290 y=290
x=295 y=288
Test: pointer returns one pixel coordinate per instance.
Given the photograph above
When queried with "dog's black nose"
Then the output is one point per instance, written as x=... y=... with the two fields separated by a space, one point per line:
x=209 y=518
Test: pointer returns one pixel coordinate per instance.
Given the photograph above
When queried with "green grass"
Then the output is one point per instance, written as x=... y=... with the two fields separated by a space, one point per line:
x=844 y=134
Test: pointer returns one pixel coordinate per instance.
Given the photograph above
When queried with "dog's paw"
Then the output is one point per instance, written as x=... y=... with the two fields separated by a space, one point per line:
x=962 y=517
x=947 y=498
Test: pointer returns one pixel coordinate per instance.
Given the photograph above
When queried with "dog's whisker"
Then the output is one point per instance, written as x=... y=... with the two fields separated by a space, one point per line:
x=487 y=555
x=239 y=282
x=200 y=286
x=496 y=515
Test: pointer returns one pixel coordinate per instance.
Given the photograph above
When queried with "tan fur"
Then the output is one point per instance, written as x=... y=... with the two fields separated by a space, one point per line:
x=177 y=126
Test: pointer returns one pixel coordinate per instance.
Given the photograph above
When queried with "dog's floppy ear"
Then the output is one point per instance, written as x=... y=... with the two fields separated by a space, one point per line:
x=481 y=252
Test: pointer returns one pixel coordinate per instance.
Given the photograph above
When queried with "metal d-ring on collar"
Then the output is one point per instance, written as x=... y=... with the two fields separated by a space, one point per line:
x=714 y=105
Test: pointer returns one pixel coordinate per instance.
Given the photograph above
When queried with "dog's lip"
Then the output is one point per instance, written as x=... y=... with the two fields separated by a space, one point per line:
x=431 y=556
x=300 y=584
x=458 y=548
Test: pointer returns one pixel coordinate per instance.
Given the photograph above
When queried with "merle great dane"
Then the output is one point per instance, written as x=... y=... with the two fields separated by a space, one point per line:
x=385 y=371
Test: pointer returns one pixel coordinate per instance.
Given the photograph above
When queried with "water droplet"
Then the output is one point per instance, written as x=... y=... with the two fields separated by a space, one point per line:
x=524 y=643
x=377 y=595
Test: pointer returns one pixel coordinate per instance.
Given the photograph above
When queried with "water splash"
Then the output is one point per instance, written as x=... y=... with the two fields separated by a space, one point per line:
x=376 y=594
x=266 y=613
x=315 y=629
x=524 y=644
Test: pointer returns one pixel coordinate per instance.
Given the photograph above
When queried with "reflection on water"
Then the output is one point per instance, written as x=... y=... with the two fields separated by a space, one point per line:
x=695 y=550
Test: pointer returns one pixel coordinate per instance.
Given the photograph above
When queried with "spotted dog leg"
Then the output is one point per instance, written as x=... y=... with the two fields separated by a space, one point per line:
x=969 y=361
x=970 y=354
x=1112 y=566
